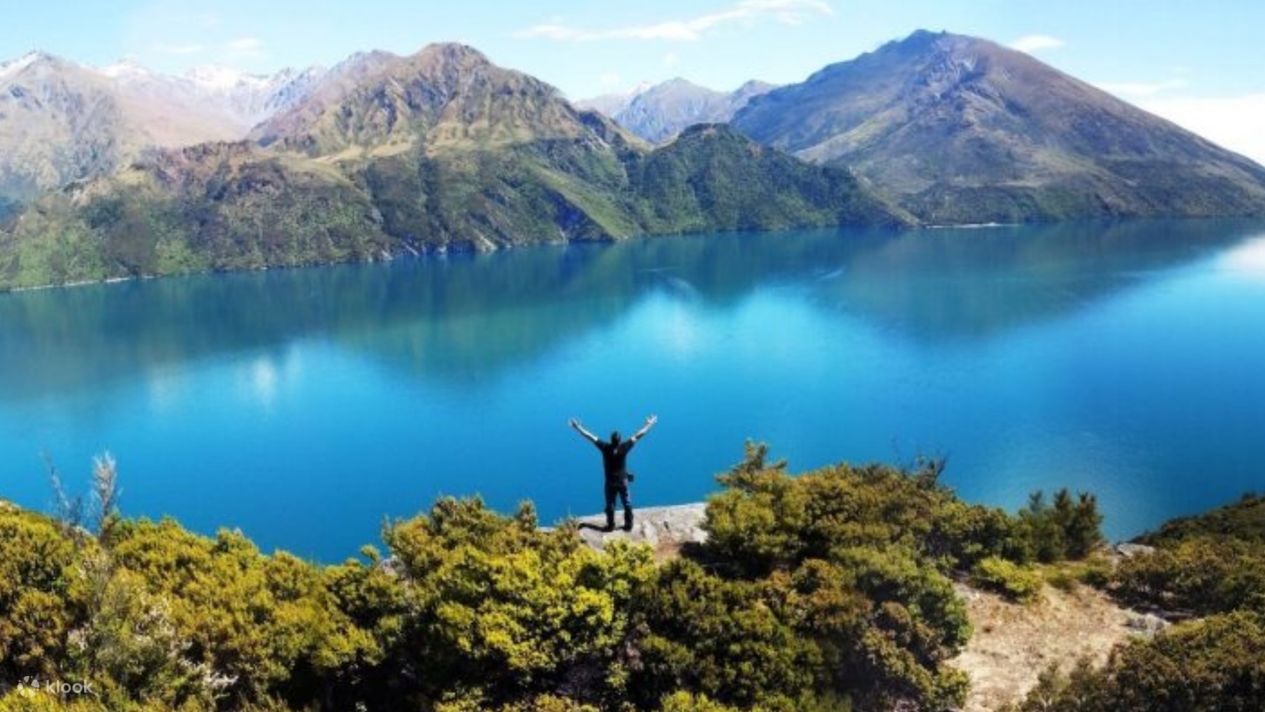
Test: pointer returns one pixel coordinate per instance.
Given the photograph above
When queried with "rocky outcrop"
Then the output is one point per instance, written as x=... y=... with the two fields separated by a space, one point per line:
x=665 y=529
x=1128 y=550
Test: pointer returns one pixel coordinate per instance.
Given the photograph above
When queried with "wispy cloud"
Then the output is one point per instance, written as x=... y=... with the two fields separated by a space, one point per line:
x=787 y=12
x=179 y=49
x=1036 y=43
x=609 y=80
x=671 y=60
x=1142 y=89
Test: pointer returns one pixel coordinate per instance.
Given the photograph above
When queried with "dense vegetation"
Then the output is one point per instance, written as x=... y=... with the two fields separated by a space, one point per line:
x=829 y=590
x=1212 y=566
x=233 y=206
x=824 y=591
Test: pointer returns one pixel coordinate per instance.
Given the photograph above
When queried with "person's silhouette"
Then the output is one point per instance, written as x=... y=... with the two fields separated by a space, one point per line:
x=615 y=468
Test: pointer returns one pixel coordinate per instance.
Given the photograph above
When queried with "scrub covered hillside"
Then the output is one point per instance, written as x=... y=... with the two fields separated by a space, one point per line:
x=823 y=591
x=1209 y=569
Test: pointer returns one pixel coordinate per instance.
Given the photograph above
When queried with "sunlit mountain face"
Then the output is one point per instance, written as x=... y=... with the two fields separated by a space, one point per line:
x=61 y=121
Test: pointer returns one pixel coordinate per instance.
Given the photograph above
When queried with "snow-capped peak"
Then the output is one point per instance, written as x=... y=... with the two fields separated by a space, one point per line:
x=126 y=67
x=217 y=77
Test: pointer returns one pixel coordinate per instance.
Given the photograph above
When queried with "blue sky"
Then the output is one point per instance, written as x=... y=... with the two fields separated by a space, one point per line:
x=1202 y=64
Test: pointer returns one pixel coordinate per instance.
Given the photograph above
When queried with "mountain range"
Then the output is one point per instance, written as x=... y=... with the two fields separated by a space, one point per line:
x=659 y=112
x=438 y=150
x=122 y=172
x=61 y=122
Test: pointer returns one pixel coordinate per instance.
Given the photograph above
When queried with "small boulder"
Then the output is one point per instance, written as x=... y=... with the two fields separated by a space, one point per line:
x=1129 y=550
x=1147 y=624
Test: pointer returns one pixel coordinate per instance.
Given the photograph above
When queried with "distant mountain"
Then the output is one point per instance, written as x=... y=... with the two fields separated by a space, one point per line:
x=444 y=150
x=444 y=96
x=228 y=102
x=611 y=104
x=438 y=150
x=61 y=122
x=659 y=112
x=960 y=129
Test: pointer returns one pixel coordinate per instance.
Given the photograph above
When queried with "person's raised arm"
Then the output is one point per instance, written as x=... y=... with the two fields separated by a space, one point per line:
x=575 y=425
x=645 y=428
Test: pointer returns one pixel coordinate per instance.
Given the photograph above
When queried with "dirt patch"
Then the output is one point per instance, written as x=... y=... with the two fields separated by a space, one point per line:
x=1014 y=642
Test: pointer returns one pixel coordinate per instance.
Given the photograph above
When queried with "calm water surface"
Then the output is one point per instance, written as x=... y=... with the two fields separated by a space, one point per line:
x=304 y=406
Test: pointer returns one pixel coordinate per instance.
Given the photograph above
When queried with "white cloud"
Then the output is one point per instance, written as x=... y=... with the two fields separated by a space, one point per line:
x=179 y=49
x=1142 y=89
x=671 y=60
x=1036 y=43
x=1231 y=121
x=787 y=12
x=608 y=80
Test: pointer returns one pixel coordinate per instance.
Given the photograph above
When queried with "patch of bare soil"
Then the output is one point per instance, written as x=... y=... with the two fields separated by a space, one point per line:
x=1013 y=643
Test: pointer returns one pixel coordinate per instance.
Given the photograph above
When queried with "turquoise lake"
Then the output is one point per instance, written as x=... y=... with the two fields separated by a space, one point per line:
x=305 y=406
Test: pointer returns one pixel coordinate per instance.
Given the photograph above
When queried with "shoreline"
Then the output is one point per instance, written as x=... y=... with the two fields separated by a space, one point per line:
x=409 y=251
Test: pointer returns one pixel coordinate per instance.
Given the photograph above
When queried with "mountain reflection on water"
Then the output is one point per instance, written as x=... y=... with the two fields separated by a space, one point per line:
x=1085 y=354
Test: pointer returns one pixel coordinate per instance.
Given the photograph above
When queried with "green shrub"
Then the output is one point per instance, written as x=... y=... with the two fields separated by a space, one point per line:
x=1070 y=528
x=43 y=594
x=1012 y=580
x=853 y=561
x=1212 y=665
x=1209 y=563
x=764 y=519
x=720 y=638
x=498 y=608
x=1060 y=578
x=686 y=702
x=1097 y=572
x=1201 y=575
x=1244 y=520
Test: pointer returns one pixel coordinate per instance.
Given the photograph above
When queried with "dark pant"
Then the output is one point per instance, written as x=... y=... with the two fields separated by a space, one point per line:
x=618 y=488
